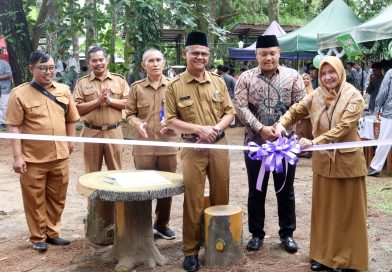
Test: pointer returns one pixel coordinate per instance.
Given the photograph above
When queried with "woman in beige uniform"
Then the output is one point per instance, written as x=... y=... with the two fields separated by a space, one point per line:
x=338 y=237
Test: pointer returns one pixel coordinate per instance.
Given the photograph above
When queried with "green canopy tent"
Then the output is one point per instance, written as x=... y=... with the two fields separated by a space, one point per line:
x=378 y=28
x=336 y=17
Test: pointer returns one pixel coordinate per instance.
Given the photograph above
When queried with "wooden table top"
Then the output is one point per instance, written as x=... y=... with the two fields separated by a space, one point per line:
x=130 y=185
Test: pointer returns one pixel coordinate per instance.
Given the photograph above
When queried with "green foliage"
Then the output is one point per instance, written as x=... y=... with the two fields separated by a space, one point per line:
x=139 y=23
x=366 y=9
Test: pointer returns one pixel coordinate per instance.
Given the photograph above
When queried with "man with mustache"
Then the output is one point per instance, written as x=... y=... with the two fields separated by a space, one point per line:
x=198 y=105
x=100 y=98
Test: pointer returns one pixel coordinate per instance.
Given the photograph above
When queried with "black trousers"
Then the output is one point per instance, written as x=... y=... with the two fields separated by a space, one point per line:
x=256 y=199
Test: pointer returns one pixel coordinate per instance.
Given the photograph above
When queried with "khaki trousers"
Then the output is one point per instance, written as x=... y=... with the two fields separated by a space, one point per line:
x=44 y=189
x=214 y=164
x=166 y=163
x=95 y=153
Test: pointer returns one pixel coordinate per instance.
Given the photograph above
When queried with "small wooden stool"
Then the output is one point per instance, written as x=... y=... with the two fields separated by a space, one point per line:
x=223 y=235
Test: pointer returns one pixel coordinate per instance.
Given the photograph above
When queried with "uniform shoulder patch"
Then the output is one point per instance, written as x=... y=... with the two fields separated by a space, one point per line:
x=138 y=81
x=215 y=74
x=118 y=75
x=174 y=79
x=20 y=86
x=80 y=78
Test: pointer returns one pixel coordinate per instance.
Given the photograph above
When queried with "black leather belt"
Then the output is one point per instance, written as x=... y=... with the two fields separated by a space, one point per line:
x=103 y=128
x=193 y=138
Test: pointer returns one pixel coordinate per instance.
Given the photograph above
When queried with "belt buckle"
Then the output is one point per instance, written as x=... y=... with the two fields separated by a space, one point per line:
x=105 y=128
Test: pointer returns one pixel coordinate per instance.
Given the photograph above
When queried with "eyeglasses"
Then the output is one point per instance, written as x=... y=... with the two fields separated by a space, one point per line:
x=199 y=53
x=45 y=69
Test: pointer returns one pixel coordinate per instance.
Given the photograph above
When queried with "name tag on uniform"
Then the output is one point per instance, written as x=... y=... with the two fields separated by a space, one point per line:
x=185 y=97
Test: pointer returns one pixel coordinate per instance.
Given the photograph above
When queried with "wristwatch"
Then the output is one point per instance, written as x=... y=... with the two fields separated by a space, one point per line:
x=218 y=130
x=108 y=101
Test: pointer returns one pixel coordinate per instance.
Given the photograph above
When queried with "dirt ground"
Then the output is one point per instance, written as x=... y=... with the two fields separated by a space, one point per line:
x=16 y=253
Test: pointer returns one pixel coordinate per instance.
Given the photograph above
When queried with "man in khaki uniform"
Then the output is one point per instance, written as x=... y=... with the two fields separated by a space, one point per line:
x=145 y=115
x=198 y=105
x=42 y=165
x=100 y=98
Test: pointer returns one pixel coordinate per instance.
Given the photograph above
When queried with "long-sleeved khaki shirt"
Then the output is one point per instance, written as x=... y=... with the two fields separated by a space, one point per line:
x=145 y=104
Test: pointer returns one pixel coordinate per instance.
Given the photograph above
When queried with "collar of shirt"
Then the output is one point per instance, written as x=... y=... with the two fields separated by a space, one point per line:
x=189 y=77
x=108 y=75
x=147 y=82
x=261 y=73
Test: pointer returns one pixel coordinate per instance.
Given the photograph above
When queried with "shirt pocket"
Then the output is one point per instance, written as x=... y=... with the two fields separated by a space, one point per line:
x=186 y=108
x=89 y=94
x=116 y=93
x=218 y=104
x=36 y=109
x=142 y=109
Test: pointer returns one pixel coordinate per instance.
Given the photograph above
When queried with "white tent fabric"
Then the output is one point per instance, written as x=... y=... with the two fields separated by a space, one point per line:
x=378 y=28
x=273 y=29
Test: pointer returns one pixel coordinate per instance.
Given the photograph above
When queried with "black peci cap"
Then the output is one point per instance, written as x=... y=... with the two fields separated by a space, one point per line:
x=267 y=41
x=377 y=65
x=197 y=38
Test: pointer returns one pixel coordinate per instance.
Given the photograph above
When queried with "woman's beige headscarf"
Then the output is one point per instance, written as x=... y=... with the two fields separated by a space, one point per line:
x=331 y=95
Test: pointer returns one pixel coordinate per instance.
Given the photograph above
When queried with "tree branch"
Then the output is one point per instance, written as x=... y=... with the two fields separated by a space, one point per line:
x=39 y=27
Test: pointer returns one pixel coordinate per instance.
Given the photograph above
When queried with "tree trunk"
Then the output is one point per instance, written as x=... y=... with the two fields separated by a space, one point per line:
x=273 y=10
x=39 y=27
x=91 y=37
x=100 y=222
x=75 y=43
x=112 y=49
x=134 y=240
x=15 y=30
x=223 y=235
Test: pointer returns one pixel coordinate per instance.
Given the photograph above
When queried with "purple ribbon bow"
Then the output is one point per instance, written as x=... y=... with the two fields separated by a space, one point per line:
x=271 y=155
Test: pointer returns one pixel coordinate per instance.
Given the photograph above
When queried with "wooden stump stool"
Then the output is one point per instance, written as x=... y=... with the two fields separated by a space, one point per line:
x=132 y=192
x=100 y=222
x=223 y=235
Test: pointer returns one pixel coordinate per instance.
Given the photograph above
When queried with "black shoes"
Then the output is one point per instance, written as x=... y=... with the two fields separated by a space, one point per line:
x=289 y=244
x=373 y=172
x=57 y=241
x=40 y=247
x=191 y=263
x=254 y=244
x=167 y=234
x=316 y=266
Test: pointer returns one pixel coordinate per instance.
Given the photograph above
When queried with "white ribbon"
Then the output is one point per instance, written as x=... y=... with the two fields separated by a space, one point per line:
x=39 y=137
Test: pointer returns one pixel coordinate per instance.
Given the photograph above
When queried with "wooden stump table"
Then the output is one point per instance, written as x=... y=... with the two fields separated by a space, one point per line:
x=132 y=191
